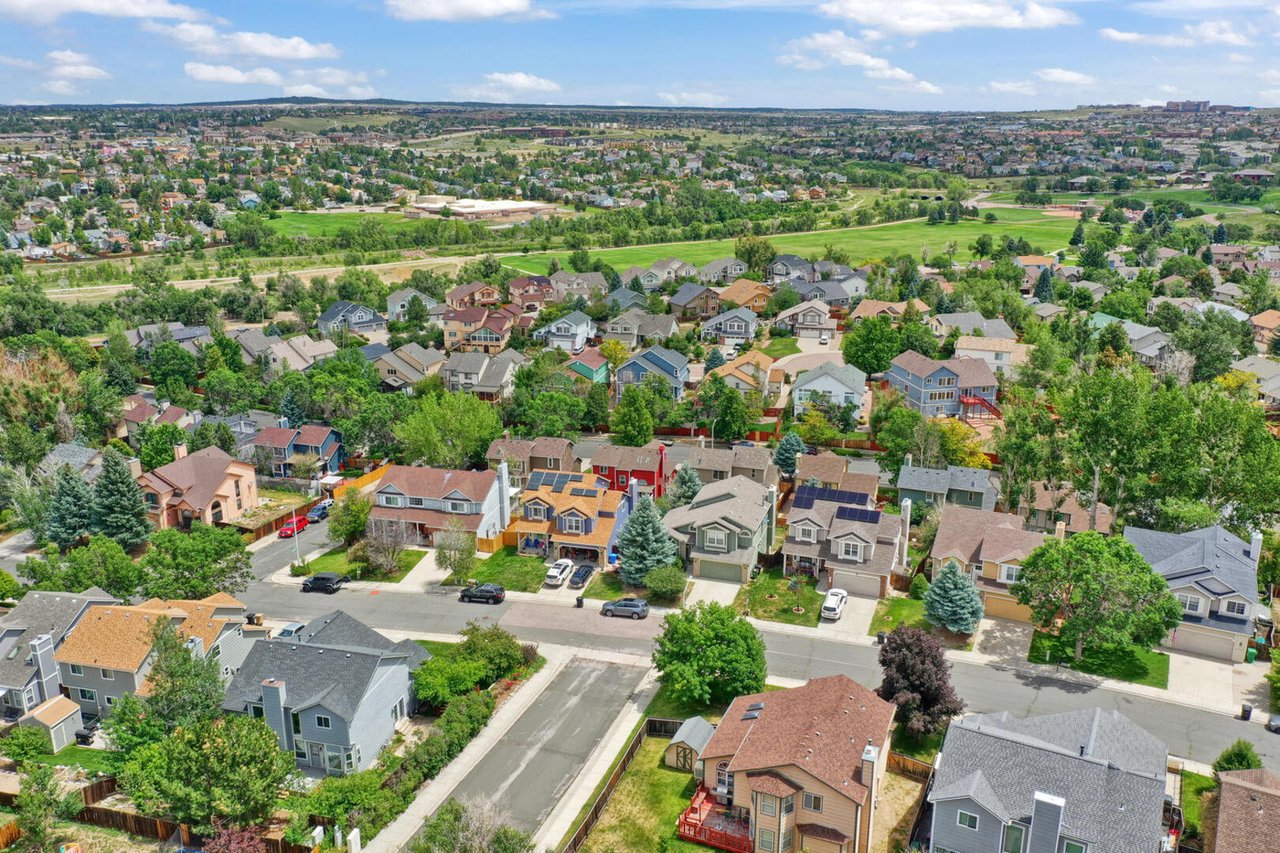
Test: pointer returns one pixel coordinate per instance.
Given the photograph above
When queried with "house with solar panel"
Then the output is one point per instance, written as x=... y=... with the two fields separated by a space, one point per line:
x=840 y=538
x=571 y=515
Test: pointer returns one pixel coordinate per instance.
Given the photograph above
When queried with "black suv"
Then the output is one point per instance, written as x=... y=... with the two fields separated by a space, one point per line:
x=488 y=593
x=581 y=576
x=329 y=582
x=636 y=608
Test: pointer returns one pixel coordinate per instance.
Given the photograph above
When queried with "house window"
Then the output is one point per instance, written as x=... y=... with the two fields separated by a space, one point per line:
x=571 y=524
x=417 y=502
x=968 y=821
x=1008 y=573
x=788 y=806
x=323 y=722
x=1074 y=847
x=1236 y=608
x=1190 y=603
x=723 y=777
x=768 y=805
x=1013 y=834
x=77 y=669
x=715 y=540
x=767 y=840
x=107 y=675
x=333 y=761
x=295 y=721
x=534 y=512
x=851 y=550
x=812 y=802
x=786 y=839
x=111 y=701
x=390 y=500
x=87 y=695
x=257 y=712
x=804 y=533
x=622 y=479
x=300 y=749
x=456 y=507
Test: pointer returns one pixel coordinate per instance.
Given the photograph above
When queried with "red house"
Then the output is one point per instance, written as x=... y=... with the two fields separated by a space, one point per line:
x=621 y=465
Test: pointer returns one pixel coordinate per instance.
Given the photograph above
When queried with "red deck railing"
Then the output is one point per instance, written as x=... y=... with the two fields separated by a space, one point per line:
x=981 y=403
x=693 y=826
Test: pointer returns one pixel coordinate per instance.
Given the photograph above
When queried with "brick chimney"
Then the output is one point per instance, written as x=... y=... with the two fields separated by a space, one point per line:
x=1060 y=531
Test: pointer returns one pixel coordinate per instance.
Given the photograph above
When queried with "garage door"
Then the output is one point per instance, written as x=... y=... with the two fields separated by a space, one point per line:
x=1207 y=643
x=720 y=571
x=808 y=332
x=1003 y=607
x=856 y=584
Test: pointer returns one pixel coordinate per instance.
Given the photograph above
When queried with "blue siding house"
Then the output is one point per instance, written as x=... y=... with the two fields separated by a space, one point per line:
x=671 y=366
x=949 y=388
x=286 y=444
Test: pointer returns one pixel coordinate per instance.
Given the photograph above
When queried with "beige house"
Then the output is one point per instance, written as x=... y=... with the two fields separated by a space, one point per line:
x=991 y=547
x=793 y=770
x=208 y=486
x=999 y=354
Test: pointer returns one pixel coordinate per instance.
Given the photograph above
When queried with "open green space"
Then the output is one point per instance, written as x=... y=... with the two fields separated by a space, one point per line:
x=93 y=760
x=335 y=560
x=1042 y=230
x=317 y=123
x=756 y=596
x=892 y=612
x=438 y=647
x=509 y=570
x=642 y=813
x=293 y=224
x=1194 y=197
x=1123 y=663
x=778 y=347
x=1194 y=786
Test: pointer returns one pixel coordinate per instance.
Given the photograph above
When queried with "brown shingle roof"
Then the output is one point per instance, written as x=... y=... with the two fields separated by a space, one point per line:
x=975 y=535
x=119 y=636
x=52 y=711
x=198 y=475
x=437 y=482
x=1248 y=811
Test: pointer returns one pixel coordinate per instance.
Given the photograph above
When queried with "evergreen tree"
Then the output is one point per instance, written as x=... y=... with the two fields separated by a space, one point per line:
x=953 y=602
x=715 y=359
x=1220 y=234
x=119 y=510
x=632 y=421
x=917 y=678
x=1044 y=286
x=788 y=449
x=291 y=410
x=70 y=516
x=684 y=486
x=644 y=543
x=1077 y=236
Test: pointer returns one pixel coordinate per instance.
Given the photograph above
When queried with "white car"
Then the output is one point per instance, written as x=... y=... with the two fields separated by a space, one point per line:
x=825 y=339
x=833 y=604
x=559 y=572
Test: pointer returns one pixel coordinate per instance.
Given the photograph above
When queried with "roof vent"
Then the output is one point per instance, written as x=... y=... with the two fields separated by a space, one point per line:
x=319 y=651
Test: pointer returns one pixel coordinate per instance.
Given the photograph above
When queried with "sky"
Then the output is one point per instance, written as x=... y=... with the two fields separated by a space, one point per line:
x=873 y=54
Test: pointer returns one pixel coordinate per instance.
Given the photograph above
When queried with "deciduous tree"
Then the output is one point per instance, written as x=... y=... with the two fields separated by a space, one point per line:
x=917 y=678
x=708 y=654
x=195 y=564
x=632 y=422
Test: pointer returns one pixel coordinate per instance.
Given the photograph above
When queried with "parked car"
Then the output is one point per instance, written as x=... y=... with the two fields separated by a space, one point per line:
x=810 y=450
x=825 y=339
x=582 y=576
x=636 y=608
x=833 y=604
x=293 y=629
x=327 y=582
x=486 y=593
x=320 y=511
x=293 y=527
x=559 y=572
x=743 y=444
x=1273 y=724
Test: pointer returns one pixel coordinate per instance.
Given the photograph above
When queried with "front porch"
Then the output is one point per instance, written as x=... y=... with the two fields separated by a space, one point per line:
x=722 y=827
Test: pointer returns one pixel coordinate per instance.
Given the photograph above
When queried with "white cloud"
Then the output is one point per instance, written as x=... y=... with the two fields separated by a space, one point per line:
x=16 y=62
x=1205 y=32
x=1239 y=57
x=821 y=50
x=692 y=99
x=1218 y=32
x=1196 y=8
x=915 y=17
x=60 y=87
x=229 y=74
x=305 y=90
x=49 y=11
x=1012 y=87
x=509 y=86
x=205 y=39
x=70 y=65
x=462 y=10
x=329 y=83
x=1271 y=76
x=1145 y=38
x=1065 y=77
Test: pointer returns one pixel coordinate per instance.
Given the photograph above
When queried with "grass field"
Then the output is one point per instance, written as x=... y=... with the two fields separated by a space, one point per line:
x=509 y=570
x=1125 y=663
x=755 y=596
x=1046 y=232
x=94 y=760
x=642 y=813
x=1194 y=787
x=293 y=224
x=892 y=612
x=335 y=560
x=314 y=124
x=779 y=347
x=1196 y=198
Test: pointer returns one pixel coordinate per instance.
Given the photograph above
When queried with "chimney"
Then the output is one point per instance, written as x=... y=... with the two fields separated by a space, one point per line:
x=180 y=451
x=135 y=466
x=771 y=533
x=505 y=495
x=1046 y=822
x=906 y=461
x=273 y=699
x=867 y=776
x=282 y=422
x=1060 y=531
x=1255 y=546
x=905 y=508
x=48 y=678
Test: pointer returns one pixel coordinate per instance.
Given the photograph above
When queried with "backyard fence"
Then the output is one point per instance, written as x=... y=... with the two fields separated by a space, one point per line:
x=265 y=529
x=912 y=768
x=360 y=482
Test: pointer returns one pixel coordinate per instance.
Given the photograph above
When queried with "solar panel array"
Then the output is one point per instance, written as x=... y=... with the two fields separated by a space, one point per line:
x=557 y=480
x=857 y=513
x=583 y=493
x=806 y=496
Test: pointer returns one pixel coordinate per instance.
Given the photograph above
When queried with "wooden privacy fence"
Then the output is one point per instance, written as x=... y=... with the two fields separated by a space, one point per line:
x=268 y=527
x=9 y=834
x=912 y=768
x=359 y=482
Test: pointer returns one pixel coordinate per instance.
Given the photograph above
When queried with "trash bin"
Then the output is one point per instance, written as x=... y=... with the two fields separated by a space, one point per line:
x=1246 y=711
x=577 y=601
x=880 y=637
x=1251 y=655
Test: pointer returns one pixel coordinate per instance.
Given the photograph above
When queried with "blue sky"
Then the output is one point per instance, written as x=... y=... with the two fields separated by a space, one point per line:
x=891 y=54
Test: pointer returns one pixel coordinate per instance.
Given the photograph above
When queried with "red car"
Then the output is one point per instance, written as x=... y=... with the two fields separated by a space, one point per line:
x=293 y=526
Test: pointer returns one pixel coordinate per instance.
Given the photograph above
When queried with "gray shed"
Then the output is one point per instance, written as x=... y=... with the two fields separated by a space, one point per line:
x=688 y=743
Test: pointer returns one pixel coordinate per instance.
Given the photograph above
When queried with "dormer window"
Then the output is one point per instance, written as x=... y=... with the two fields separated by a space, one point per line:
x=805 y=533
x=715 y=539
x=534 y=512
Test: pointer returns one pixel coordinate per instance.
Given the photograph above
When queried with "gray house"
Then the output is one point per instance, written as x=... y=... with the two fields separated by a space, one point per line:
x=570 y=333
x=731 y=327
x=344 y=316
x=636 y=326
x=333 y=694
x=829 y=385
x=955 y=484
x=725 y=529
x=29 y=635
x=398 y=303
x=1088 y=781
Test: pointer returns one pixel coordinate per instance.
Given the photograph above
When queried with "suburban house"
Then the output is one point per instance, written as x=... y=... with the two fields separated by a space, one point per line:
x=489 y=377
x=407 y=365
x=572 y=515
x=669 y=365
x=790 y=268
x=1224 y=255
x=621 y=466
x=108 y=652
x=955 y=484
x=524 y=455
x=190 y=338
x=344 y=316
x=570 y=333
x=1048 y=509
x=208 y=486
x=533 y=292
x=84 y=461
x=333 y=694
x=754 y=463
x=1036 y=264
x=276 y=354
x=648 y=279
x=572 y=284
x=957 y=386
x=1149 y=344
x=751 y=371
x=810 y=319
x=590 y=365
x=725 y=529
x=723 y=270
x=970 y=323
x=694 y=301
x=424 y=501
x=836 y=293
x=1247 y=811
x=399 y=301
x=746 y=293
x=635 y=327
x=990 y=546
x=832 y=471
x=732 y=327
x=840 y=538
x=1214 y=576
x=476 y=294
x=287 y=443
x=674 y=269
x=476 y=329
x=625 y=298
x=1000 y=354
x=829 y=385
x=868 y=308
x=1268 y=374
x=804 y=764
x=1087 y=781
x=30 y=634
x=1264 y=326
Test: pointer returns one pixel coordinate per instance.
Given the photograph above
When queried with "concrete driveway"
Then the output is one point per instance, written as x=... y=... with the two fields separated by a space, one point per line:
x=539 y=757
x=705 y=589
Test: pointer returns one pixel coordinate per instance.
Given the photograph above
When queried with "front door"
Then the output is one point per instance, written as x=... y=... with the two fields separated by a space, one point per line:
x=317 y=755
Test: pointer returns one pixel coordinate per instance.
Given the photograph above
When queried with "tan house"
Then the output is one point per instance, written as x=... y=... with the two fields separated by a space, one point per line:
x=1000 y=354
x=524 y=455
x=991 y=547
x=208 y=486
x=1265 y=325
x=1074 y=515
x=748 y=294
x=477 y=330
x=793 y=770
x=869 y=308
x=752 y=371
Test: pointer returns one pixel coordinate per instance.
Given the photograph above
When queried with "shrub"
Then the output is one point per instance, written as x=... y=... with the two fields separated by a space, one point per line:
x=919 y=586
x=499 y=650
x=666 y=583
x=26 y=743
x=528 y=653
x=442 y=679
x=1241 y=755
x=299 y=570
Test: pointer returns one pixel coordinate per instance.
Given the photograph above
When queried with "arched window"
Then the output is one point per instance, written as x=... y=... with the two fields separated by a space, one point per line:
x=215 y=511
x=724 y=779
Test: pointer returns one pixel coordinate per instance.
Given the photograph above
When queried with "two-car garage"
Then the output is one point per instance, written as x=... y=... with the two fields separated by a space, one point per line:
x=715 y=570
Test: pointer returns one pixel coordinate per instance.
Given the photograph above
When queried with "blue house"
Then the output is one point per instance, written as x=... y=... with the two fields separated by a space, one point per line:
x=572 y=515
x=659 y=361
x=948 y=388
x=731 y=327
x=286 y=444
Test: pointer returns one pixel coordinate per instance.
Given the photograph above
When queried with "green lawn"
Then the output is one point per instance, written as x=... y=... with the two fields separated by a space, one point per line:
x=1049 y=233
x=1124 y=663
x=607 y=586
x=892 y=612
x=922 y=749
x=778 y=347
x=93 y=760
x=335 y=560
x=293 y=224
x=510 y=570
x=755 y=596
x=438 y=647
x=1194 y=785
x=642 y=813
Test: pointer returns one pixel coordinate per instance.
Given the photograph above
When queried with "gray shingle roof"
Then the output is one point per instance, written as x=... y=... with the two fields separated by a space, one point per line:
x=940 y=481
x=688 y=292
x=695 y=732
x=39 y=613
x=846 y=374
x=1199 y=557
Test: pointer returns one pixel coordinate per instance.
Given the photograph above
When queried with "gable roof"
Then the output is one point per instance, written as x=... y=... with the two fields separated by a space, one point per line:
x=939 y=481
x=694 y=732
x=118 y=636
x=661 y=360
x=688 y=292
x=845 y=374
x=421 y=482
x=970 y=372
x=197 y=476
x=969 y=322
x=37 y=613
x=646 y=458
x=1211 y=558
x=975 y=535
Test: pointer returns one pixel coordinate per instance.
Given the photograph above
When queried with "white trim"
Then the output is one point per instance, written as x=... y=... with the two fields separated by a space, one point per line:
x=961 y=814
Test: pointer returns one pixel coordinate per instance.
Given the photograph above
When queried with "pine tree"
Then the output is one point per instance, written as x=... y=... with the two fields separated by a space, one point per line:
x=1044 y=286
x=1220 y=234
x=1077 y=236
x=644 y=543
x=119 y=510
x=291 y=410
x=788 y=449
x=953 y=602
x=70 y=516
x=632 y=421
x=715 y=359
x=684 y=486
